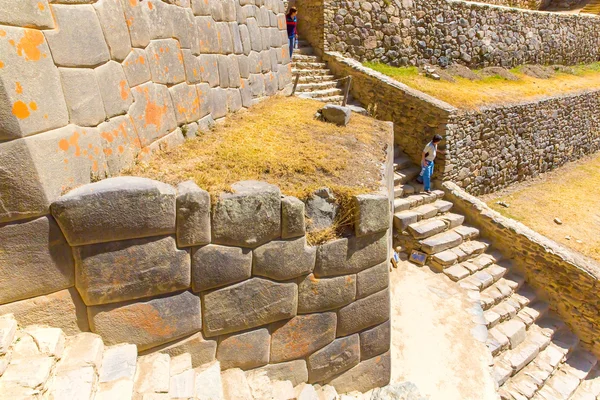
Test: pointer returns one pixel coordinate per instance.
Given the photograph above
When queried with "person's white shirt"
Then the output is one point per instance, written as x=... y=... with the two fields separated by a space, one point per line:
x=430 y=151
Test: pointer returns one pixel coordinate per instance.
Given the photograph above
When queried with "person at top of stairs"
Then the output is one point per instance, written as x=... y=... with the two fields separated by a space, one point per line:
x=292 y=22
x=427 y=161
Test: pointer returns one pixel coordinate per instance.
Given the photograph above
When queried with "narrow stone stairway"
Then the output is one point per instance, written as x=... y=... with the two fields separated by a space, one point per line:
x=592 y=7
x=535 y=355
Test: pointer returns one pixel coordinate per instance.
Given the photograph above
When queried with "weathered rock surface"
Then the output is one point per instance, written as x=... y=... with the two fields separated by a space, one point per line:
x=130 y=269
x=35 y=260
x=283 y=260
x=208 y=384
x=248 y=304
x=364 y=313
x=82 y=94
x=375 y=341
x=302 y=336
x=292 y=217
x=373 y=214
x=321 y=209
x=193 y=215
x=336 y=114
x=116 y=209
x=367 y=375
x=166 y=61
x=26 y=13
x=136 y=68
x=333 y=359
x=201 y=350
x=112 y=19
x=372 y=280
x=293 y=371
x=248 y=217
x=120 y=144
x=152 y=112
x=114 y=89
x=318 y=295
x=245 y=350
x=147 y=323
x=214 y=266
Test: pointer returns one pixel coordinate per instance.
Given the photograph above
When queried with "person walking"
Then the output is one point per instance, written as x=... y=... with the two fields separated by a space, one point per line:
x=427 y=162
x=292 y=22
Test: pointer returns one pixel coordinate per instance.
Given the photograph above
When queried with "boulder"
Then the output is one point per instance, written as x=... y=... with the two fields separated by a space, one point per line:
x=116 y=209
x=336 y=114
x=292 y=217
x=372 y=280
x=375 y=341
x=318 y=295
x=293 y=371
x=321 y=209
x=218 y=102
x=120 y=143
x=166 y=61
x=137 y=21
x=372 y=214
x=147 y=323
x=215 y=266
x=26 y=13
x=245 y=350
x=193 y=215
x=351 y=255
x=82 y=94
x=249 y=304
x=333 y=359
x=112 y=19
x=302 y=336
x=35 y=260
x=136 y=68
x=192 y=67
x=364 y=313
x=160 y=118
x=284 y=259
x=114 y=89
x=130 y=269
x=248 y=217
x=369 y=374
x=200 y=349
x=209 y=69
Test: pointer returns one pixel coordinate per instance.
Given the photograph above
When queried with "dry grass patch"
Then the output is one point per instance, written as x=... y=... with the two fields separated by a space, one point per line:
x=280 y=142
x=571 y=193
x=494 y=90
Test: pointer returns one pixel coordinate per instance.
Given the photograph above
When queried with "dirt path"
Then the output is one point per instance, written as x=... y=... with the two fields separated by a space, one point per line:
x=432 y=345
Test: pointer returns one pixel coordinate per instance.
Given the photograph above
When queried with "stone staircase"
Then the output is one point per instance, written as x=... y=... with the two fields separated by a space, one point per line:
x=535 y=355
x=592 y=7
x=40 y=362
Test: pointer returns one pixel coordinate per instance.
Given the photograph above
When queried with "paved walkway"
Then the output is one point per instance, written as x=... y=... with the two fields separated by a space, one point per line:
x=432 y=345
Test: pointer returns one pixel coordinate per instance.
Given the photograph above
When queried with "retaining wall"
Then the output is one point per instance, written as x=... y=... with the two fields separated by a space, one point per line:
x=409 y=32
x=568 y=280
x=87 y=89
x=146 y=263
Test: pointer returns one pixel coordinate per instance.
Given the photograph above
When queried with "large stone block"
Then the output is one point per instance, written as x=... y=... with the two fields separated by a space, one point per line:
x=224 y=64
x=166 y=61
x=193 y=215
x=292 y=217
x=186 y=102
x=375 y=341
x=136 y=68
x=78 y=40
x=372 y=280
x=317 y=295
x=245 y=350
x=243 y=66
x=130 y=269
x=201 y=350
x=192 y=67
x=255 y=35
x=214 y=266
x=82 y=94
x=114 y=88
x=31 y=94
x=284 y=259
x=364 y=313
x=209 y=69
x=351 y=255
x=234 y=100
x=293 y=371
x=147 y=323
x=249 y=304
x=234 y=72
x=137 y=21
x=367 y=375
x=206 y=122
x=238 y=48
x=302 y=336
x=201 y=7
x=248 y=217
x=35 y=260
x=63 y=309
x=116 y=209
x=333 y=359
x=120 y=143
x=114 y=26
x=36 y=170
x=373 y=214
x=34 y=14
x=207 y=31
x=271 y=84
x=245 y=37
x=246 y=94
x=257 y=85
x=218 y=102
x=224 y=38
x=152 y=112
x=255 y=63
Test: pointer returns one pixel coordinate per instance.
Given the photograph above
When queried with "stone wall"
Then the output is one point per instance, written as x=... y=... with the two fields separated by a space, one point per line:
x=494 y=147
x=408 y=32
x=311 y=23
x=566 y=279
x=139 y=261
x=87 y=89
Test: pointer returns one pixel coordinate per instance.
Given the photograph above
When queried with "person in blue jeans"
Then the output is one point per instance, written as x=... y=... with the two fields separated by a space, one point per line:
x=427 y=162
x=292 y=22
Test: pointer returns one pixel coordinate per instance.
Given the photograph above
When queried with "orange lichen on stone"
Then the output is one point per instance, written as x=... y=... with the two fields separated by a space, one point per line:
x=65 y=144
x=107 y=136
x=121 y=149
x=28 y=45
x=133 y=3
x=1 y=64
x=124 y=90
x=150 y=5
x=148 y=319
x=2 y=33
x=95 y=166
x=141 y=60
x=18 y=88
x=20 y=110
x=107 y=151
x=41 y=6
x=33 y=105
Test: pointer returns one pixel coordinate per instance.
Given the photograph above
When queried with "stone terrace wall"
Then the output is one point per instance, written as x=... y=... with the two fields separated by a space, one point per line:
x=416 y=116
x=86 y=89
x=565 y=278
x=410 y=32
x=495 y=147
x=143 y=262
x=311 y=23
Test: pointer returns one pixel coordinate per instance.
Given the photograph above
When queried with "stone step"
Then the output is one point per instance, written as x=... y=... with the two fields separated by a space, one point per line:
x=412 y=201
x=301 y=65
x=324 y=93
x=330 y=99
x=427 y=228
x=307 y=87
x=402 y=161
x=152 y=374
x=297 y=57
x=403 y=219
x=315 y=78
x=306 y=50
x=589 y=389
x=406 y=175
x=440 y=242
x=310 y=72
